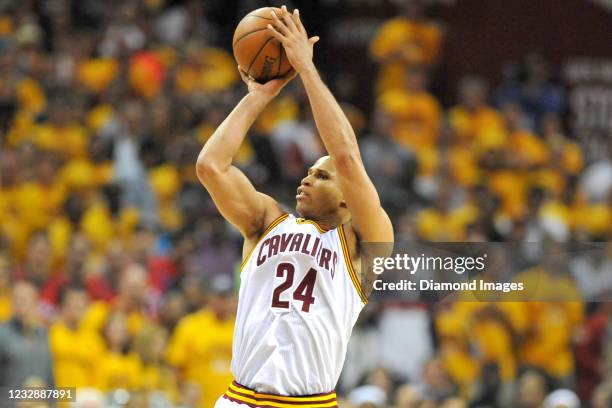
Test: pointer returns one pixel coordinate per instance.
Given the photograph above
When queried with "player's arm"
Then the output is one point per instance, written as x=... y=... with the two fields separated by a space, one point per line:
x=233 y=193
x=370 y=222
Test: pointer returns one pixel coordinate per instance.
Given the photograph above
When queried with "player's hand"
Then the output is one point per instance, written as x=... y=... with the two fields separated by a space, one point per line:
x=271 y=88
x=289 y=30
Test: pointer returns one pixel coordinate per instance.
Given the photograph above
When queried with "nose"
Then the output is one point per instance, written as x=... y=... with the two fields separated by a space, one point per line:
x=306 y=181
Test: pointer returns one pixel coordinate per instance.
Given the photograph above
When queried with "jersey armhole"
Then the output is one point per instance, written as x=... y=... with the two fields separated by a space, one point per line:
x=349 y=265
x=273 y=224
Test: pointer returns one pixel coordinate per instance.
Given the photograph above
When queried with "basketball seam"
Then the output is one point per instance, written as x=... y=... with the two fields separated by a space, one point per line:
x=249 y=33
x=257 y=55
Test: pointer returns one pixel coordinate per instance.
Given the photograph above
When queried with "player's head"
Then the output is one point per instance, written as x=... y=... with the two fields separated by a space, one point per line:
x=319 y=195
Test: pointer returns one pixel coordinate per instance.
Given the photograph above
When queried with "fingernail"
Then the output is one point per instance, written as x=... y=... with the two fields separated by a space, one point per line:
x=297 y=11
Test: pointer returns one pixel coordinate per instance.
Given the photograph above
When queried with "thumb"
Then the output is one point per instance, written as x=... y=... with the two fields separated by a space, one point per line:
x=314 y=40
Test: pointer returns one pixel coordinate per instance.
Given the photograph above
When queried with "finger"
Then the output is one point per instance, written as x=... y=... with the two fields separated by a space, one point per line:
x=245 y=76
x=298 y=21
x=288 y=19
x=279 y=24
x=242 y=74
x=314 y=40
x=274 y=33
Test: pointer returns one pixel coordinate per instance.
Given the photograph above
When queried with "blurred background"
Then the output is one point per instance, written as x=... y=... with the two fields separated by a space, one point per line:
x=478 y=121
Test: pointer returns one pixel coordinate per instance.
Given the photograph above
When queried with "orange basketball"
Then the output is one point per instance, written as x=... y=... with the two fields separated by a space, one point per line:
x=256 y=51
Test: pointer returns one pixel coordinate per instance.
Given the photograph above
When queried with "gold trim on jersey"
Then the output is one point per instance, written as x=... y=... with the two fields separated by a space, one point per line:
x=305 y=221
x=241 y=394
x=270 y=227
x=349 y=264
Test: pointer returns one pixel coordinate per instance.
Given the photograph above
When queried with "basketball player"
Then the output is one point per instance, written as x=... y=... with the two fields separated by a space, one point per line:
x=300 y=291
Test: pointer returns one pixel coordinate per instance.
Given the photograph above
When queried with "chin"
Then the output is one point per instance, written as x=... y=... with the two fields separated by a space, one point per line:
x=299 y=209
x=302 y=211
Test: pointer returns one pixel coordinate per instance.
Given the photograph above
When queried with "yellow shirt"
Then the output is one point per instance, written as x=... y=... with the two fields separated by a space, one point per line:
x=118 y=371
x=5 y=307
x=31 y=95
x=483 y=128
x=75 y=355
x=549 y=346
x=433 y=225
x=417 y=117
x=213 y=70
x=494 y=342
x=37 y=203
x=401 y=41
x=97 y=313
x=511 y=187
x=463 y=165
x=201 y=347
x=529 y=148
x=70 y=140
x=97 y=73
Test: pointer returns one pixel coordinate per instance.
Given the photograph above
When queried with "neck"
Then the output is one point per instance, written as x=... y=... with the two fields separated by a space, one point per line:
x=331 y=221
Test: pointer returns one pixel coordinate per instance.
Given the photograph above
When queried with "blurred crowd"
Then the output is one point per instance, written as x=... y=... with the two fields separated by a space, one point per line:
x=118 y=275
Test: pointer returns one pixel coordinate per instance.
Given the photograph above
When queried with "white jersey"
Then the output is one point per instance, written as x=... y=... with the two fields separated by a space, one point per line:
x=298 y=302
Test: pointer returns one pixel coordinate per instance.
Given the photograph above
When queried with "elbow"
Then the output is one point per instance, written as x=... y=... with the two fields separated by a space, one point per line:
x=207 y=168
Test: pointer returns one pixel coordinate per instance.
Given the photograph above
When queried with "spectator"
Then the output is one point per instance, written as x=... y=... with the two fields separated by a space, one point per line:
x=132 y=303
x=415 y=115
x=75 y=349
x=473 y=121
x=157 y=379
x=201 y=346
x=532 y=390
x=24 y=344
x=435 y=383
x=117 y=367
x=408 y=39
x=390 y=167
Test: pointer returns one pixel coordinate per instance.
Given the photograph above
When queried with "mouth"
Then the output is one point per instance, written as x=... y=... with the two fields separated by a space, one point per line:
x=300 y=193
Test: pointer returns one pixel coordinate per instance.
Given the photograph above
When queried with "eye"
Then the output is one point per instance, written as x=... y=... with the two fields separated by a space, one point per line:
x=322 y=176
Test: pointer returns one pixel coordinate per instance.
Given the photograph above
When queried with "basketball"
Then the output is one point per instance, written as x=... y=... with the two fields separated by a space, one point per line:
x=258 y=53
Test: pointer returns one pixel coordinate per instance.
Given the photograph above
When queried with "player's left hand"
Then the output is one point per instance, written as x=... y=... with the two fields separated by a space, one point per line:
x=289 y=30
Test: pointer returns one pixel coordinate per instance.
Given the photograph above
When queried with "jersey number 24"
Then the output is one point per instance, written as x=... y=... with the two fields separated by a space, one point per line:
x=303 y=292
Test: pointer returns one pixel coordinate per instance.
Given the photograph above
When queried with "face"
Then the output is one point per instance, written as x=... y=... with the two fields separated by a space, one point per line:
x=24 y=301
x=319 y=195
x=133 y=285
x=116 y=331
x=74 y=306
x=222 y=305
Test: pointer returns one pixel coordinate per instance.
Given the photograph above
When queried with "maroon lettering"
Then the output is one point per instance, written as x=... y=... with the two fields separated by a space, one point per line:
x=297 y=240
x=261 y=258
x=285 y=239
x=273 y=249
x=305 y=245
x=325 y=258
x=315 y=247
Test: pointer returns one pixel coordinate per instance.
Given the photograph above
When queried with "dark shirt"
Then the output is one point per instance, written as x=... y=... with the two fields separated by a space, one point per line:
x=24 y=355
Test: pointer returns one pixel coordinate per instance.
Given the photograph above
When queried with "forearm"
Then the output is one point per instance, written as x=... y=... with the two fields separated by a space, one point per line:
x=334 y=128
x=223 y=145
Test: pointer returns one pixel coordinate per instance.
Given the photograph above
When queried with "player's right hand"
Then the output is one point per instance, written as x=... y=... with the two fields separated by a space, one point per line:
x=271 y=88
